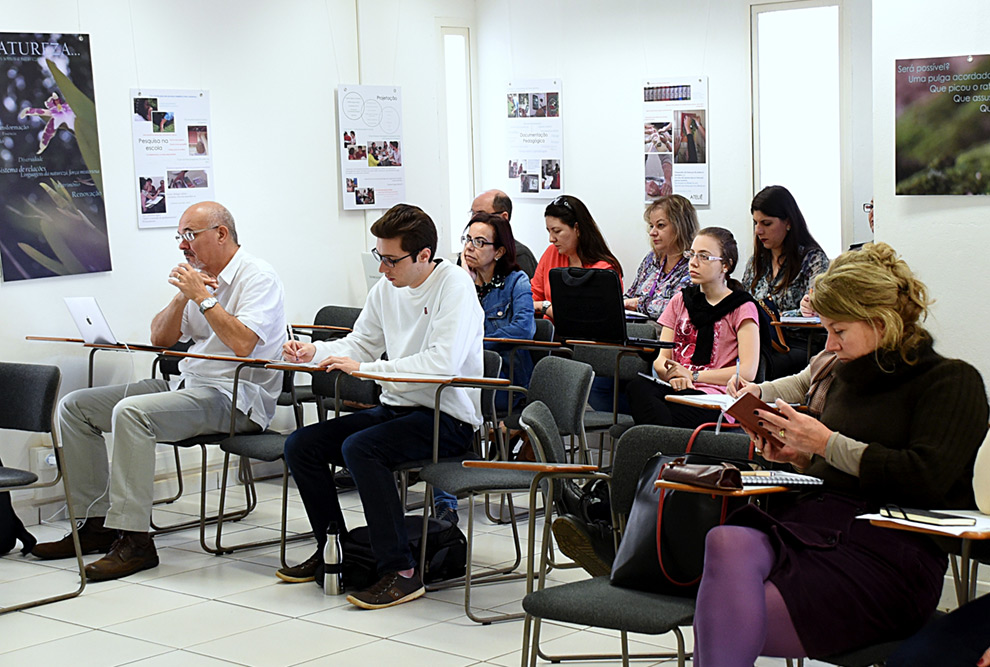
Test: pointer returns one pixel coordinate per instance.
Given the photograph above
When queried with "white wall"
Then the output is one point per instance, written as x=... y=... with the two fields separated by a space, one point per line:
x=944 y=239
x=272 y=70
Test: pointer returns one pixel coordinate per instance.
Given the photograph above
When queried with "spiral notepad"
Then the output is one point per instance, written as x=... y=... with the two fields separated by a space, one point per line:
x=778 y=478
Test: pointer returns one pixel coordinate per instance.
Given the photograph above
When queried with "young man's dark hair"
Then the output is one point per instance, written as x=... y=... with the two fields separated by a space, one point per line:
x=411 y=224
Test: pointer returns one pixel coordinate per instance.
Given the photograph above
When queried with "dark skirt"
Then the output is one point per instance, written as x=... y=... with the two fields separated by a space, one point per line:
x=846 y=583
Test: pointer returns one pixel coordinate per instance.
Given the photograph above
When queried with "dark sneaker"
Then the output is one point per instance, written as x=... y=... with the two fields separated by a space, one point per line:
x=93 y=538
x=131 y=553
x=391 y=589
x=305 y=571
x=448 y=514
x=576 y=542
x=342 y=478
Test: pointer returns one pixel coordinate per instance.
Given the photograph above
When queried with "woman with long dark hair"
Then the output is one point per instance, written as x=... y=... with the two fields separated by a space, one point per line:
x=575 y=240
x=786 y=258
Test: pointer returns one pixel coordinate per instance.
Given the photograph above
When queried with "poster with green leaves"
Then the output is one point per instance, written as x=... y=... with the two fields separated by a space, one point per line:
x=52 y=214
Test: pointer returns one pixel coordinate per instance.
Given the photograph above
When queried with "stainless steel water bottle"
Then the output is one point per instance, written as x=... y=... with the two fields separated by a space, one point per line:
x=333 y=563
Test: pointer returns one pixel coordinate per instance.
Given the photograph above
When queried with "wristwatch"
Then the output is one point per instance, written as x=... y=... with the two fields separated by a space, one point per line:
x=694 y=376
x=207 y=303
x=546 y=307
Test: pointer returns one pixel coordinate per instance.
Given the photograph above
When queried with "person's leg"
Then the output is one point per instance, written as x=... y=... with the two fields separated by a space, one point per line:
x=372 y=454
x=955 y=640
x=310 y=451
x=646 y=402
x=687 y=416
x=733 y=618
x=84 y=416
x=139 y=423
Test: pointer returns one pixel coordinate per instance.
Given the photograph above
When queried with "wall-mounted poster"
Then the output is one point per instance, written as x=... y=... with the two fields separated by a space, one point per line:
x=942 y=144
x=534 y=138
x=52 y=219
x=173 y=157
x=675 y=138
x=371 y=146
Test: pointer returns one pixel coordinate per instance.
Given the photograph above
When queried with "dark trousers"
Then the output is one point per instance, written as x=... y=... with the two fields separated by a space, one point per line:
x=956 y=640
x=370 y=444
x=647 y=405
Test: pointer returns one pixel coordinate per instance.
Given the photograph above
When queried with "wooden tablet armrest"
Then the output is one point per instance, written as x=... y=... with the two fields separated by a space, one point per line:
x=218 y=357
x=735 y=493
x=524 y=342
x=320 y=327
x=54 y=339
x=531 y=466
x=617 y=346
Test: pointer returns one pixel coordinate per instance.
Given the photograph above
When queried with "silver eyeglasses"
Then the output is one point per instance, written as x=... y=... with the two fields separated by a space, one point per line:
x=702 y=256
x=190 y=234
x=476 y=241
x=388 y=261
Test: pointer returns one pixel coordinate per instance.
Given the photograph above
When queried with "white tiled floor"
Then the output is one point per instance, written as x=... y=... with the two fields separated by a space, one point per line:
x=198 y=610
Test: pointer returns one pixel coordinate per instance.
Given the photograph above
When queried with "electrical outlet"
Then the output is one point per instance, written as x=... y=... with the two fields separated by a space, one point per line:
x=42 y=462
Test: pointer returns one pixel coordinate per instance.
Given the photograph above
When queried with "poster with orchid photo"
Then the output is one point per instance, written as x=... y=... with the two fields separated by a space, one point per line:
x=52 y=214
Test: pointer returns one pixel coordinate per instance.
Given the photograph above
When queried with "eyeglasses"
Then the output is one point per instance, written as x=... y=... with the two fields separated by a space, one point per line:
x=702 y=256
x=476 y=241
x=190 y=234
x=867 y=208
x=562 y=201
x=388 y=261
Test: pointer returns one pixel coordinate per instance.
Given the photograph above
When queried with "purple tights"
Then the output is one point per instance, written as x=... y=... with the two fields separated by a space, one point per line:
x=740 y=615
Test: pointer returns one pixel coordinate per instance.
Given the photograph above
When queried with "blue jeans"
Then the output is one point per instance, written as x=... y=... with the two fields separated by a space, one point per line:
x=370 y=443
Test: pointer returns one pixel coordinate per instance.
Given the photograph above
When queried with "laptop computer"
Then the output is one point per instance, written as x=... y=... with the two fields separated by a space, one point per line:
x=89 y=319
x=588 y=305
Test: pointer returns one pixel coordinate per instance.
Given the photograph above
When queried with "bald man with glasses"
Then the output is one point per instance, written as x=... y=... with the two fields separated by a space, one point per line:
x=228 y=303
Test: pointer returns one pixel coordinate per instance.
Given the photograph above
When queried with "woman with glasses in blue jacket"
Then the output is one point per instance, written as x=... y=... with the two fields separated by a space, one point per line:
x=504 y=291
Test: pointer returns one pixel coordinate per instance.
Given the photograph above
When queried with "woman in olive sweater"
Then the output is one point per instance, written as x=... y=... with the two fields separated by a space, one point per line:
x=891 y=421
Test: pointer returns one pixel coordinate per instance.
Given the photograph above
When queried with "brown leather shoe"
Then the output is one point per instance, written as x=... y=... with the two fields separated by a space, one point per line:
x=93 y=538
x=132 y=552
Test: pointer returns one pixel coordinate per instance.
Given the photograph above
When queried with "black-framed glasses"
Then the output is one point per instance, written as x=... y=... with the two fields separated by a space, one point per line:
x=190 y=234
x=476 y=241
x=702 y=256
x=388 y=261
x=867 y=207
x=562 y=201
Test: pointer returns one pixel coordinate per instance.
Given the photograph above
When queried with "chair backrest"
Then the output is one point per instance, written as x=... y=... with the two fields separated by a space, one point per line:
x=640 y=443
x=169 y=366
x=493 y=366
x=538 y=422
x=544 y=332
x=30 y=392
x=563 y=385
x=587 y=304
x=335 y=316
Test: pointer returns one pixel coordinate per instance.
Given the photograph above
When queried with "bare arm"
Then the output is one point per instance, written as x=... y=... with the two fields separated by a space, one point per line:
x=166 y=327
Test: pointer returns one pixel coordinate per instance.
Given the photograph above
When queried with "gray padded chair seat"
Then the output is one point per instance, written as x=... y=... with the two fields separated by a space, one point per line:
x=10 y=477
x=455 y=478
x=594 y=421
x=267 y=446
x=598 y=603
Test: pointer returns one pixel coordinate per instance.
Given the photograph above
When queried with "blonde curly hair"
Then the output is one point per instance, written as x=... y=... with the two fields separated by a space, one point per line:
x=875 y=285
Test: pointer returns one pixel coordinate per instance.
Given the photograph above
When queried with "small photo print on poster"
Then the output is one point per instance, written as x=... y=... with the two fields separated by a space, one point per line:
x=143 y=107
x=357 y=153
x=515 y=168
x=384 y=154
x=163 y=121
x=523 y=105
x=550 y=171
x=349 y=138
x=529 y=183
x=538 y=105
x=151 y=192
x=513 y=103
x=658 y=138
x=659 y=175
x=351 y=184
x=187 y=178
x=553 y=105
x=364 y=196
x=198 y=144
x=690 y=145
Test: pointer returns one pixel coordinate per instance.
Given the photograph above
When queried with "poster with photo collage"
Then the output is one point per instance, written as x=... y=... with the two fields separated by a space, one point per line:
x=370 y=122
x=534 y=139
x=675 y=138
x=173 y=156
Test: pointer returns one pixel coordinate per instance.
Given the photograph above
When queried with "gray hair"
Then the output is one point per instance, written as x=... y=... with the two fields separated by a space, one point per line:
x=218 y=215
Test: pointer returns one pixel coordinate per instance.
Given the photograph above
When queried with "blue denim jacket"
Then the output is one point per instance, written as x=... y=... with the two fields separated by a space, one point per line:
x=509 y=314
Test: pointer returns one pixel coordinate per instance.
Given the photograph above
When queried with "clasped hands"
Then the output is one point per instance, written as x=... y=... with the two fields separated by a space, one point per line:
x=194 y=285
x=302 y=353
x=802 y=436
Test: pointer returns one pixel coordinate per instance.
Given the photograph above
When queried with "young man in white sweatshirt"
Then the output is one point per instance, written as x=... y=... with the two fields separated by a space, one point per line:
x=426 y=316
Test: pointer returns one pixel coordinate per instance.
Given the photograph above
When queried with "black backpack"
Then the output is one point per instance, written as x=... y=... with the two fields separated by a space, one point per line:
x=446 y=553
x=11 y=528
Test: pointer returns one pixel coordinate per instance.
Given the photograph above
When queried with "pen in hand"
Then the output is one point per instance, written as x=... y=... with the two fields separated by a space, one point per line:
x=737 y=373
